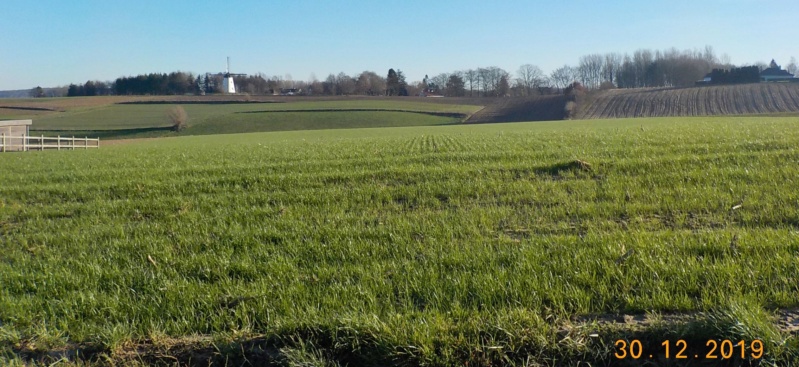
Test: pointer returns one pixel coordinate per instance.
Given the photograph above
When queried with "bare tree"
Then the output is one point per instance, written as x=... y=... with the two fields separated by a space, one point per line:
x=709 y=55
x=345 y=85
x=484 y=77
x=412 y=88
x=611 y=67
x=288 y=81
x=725 y=61
x=792 y=67
x=439 y=82
x=329 y=86
x=315 y=87
x=529 y=78
x=563 y=76
x=470 y=78
x=369 y=83
x=490 y=79
x=590 y=70
x=641 y=60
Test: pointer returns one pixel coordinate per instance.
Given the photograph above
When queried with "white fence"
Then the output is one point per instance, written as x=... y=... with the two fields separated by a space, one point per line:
x=24 y=143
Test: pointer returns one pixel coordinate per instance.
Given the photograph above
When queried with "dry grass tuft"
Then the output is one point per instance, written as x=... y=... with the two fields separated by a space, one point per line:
x=179 y=118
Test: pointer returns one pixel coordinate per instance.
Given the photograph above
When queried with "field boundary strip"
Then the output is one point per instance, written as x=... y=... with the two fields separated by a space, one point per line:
x=434 y=113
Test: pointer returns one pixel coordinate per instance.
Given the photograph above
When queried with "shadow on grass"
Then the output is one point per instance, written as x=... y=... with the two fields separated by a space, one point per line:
x=179 y=101
x=363 y=346
x=432 y=113
x=575 y=167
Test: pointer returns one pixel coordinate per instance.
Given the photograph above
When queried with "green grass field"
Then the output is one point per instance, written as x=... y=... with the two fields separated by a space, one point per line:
x=432 y=246
x=139 y=120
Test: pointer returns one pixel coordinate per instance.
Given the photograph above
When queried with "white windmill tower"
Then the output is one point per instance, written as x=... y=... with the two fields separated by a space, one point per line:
x=227 y=82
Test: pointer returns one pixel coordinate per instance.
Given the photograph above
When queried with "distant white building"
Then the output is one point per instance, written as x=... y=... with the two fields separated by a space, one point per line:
x=228 y=86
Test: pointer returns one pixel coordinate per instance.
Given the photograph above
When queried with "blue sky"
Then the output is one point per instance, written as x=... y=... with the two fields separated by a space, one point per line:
x=51 y=43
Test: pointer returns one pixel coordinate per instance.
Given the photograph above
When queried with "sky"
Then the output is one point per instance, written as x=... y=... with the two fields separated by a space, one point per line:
x=52 y=43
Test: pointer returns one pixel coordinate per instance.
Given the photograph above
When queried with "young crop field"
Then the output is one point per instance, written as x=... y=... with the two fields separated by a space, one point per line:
x=148 y=118
x=507 y=244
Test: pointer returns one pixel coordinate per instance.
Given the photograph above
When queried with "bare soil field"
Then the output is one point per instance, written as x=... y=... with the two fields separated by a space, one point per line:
x=68 y=103
x=743 y=99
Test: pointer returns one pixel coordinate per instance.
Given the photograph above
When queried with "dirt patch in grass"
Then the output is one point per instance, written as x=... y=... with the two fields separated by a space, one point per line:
x=787 y=320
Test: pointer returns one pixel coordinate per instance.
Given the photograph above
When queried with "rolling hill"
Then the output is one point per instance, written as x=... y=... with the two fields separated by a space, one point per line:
x=742 y=99
x=145 y=116
x=114 y=117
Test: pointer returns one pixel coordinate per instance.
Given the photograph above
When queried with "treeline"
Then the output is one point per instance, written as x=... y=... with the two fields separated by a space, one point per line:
x=156 y=84
x=746 y=74
x=366 y=83
x=90 y=88
x=489 y=81
x=643 y=68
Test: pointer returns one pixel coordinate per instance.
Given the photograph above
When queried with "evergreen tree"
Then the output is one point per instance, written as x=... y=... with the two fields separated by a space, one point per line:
x=37 y=92
x=89 y=89
x=455 y=86
x=392 y=83
x=73 y=91
x=402 y=85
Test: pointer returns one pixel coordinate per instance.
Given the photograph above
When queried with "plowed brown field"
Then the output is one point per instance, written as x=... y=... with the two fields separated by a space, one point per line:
x=696 y=101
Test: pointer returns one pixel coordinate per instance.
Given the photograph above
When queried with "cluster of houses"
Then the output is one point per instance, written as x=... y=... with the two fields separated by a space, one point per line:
x=774 y=73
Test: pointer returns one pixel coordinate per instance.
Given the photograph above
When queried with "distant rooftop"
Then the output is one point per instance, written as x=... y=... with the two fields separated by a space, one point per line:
x=15 y=122
x=775 y=72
